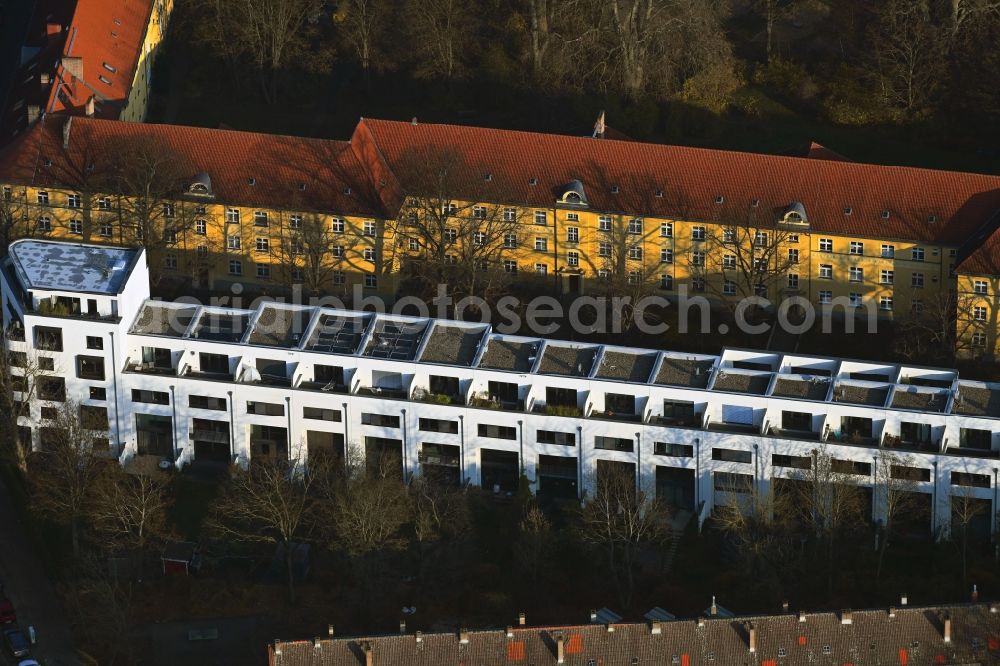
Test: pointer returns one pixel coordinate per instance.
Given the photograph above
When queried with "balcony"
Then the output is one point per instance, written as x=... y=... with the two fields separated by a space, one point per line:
x=900 y=444
x=495 y=403
x=693 y=421
x=326 y=387
x=385 y=393
x=787 y=433
x=557 y=410
x=741 y=428
x=149 y=368
x=612 y=415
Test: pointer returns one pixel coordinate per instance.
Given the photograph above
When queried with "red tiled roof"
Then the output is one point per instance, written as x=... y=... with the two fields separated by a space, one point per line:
x=692 y=178
x=107 y=35
x=279 y=165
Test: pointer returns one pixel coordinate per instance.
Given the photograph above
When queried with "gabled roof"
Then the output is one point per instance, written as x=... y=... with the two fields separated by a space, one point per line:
x=291 y=173
x=107 y=35
x=922 y=204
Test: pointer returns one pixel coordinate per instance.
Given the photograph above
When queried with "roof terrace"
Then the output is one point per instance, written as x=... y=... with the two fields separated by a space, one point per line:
x=337 y=333
x=568 y=359
x=509 y=353
x=396 y=339
x=280 y=325
x=455 y=345
x=157 y=318
x=628 y=366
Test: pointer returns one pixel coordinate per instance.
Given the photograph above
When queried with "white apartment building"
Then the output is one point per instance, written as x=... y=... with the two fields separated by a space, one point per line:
x=195 y=384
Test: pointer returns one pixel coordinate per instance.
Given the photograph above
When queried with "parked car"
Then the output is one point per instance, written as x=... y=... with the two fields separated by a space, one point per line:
x=28 y=662
x=7 y=614
x=16 y=642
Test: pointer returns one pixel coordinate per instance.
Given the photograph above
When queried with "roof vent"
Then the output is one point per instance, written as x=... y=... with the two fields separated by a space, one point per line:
x=104 y=79
x=347 y=190
x=931 y=219
x=48 y=162
x=846 y=617
x=848 y=210
x=615 y=189
x=720 y=199
x=252 y=180
x=118 y=21
x=755 y=203
x=488 y=177
x=414 y=121
x=110 y=68
x=885 y=214
x=532 y=181
x=659 y=194
x=302 y=187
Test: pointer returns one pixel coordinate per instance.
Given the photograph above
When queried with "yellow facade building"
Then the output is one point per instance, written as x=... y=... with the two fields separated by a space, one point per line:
x=581 y=213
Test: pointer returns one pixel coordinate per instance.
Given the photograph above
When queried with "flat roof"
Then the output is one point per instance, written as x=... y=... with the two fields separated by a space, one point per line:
x=57 y=266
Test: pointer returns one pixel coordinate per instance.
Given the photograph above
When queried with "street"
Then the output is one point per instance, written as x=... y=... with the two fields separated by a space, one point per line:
x=31 y=592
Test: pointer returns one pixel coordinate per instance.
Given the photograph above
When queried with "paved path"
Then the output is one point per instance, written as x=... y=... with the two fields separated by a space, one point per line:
x=27 y=586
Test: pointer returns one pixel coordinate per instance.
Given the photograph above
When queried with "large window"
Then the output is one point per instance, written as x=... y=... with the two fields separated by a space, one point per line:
x=555 y=437
x=90 y=367
x=151 y=397
x=497 y=432
x=380 y=420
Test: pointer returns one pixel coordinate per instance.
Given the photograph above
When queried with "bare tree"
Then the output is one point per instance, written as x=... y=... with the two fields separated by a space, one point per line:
x=621 y=521
x=966 y=511
x=907 y=50
x=308 y=254
x=443 y=233
x=440 y=516
x=269 y=502
x=104 y=605
x=964 y=12
x=20 y=373
x=626 y=273
x=15 y=220
x=937 y=330
x=535 y=542
x=129 y=510
x=364 y=25
x=773 y=11
x=266 y=32
x=64 y=472
x=440 y=34
x=896 y=494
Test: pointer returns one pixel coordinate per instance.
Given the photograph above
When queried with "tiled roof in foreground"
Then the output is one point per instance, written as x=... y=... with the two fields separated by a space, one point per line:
x=966 y=634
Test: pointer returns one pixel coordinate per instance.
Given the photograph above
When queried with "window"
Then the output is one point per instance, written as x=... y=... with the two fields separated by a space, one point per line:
x=793 y=281
x=151 y=397
x=337 y=251
x=104 y=203
x=43 y=198
x=888 y=251
x=573 y=259
x=104 y=230
x=856 y=274
x=917 y=254
x=855 y=299
x=75 y=227
x=857 y=247
x=825 y=296
x=450 y=235
x=413 y=244
x=320 y=414
x=728 y=236
x=233 y=242
x=298 y=275
x=916 y=306
x=509 y=266
x=793 y=255
x=555 y=437
x=673 y=450
x=792 y=238
x=497 y=432
x=170 y=262
x=885 y=303
x=371 y=281
x=338 y=225
x=263 y=245
x=979 y=313
x=666 y=256
x=207 y=402
x=885 y=277
x=635 y=226
x=604 y=223
x=369 y=228
x=479 y=212
x=729 y=261
x=449 y=209
x=729 y=288
x=698 y=233
x=265 y=408
x=732 y=483
x=339 y=278
x=369 y=254
x=509 y=214
x=698 y=284
x=200 y=227
x=825 y=245
x=48 y=339
x=479 y=238
x=604 y=249
x=572 y=234
x=294 y=221
x=168 y=210
x=697 y=258
x=605 y=443
x=541 y=269
x=667 y=282
x=760 y=239
x=978 y=339
x=540 y=217
x=8 y=194
x=635 y=252
x=667 y=229
x=45 y=223
x=732 y=455
x=980 y=287
x=510 y=240
x=634 y=277
x=235 y=267
x=98 y=393
x=264 y=271
x=90 y=367
x=917 y=280
x=541 y=244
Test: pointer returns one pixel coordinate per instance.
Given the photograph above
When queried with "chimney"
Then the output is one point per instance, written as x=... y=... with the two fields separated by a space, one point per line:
x=701 y=621
x=52 y=30
x=33 y=112
x=510 y=632
x=43 y=78
x=419 y=637
x=89 y=108
x=994 y=608
x=67 y=127
x=73 y=65
x=316 y=644
x=593 y=615
x=402 y=626
x=656 y=628
x=560 y=649
x=463 y=636
x=784 y=606
x=713 y=609
x=414 y=121
x=846 y=618
x=329 y=630
x=892 y=612
x=366 y=647
x=752 y=638
x=611 y=628
x=975 y=594
x=521 y=619
x=802 y=616
x=902 y=599
x=947 y=629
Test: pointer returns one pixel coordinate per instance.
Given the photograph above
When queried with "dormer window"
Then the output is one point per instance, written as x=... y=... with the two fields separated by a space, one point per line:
x=488 y=177
x=755 y=203
x=532 y=181
x=302 y=187
x=932 y=219
x=795 y=214
x=201 y=185
x=885 y=215
x=615 y=189
x=720 y=199
x=573 y=194
x=659 y=194
x=848 y=210
x=251 y=180
x=347 y=191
